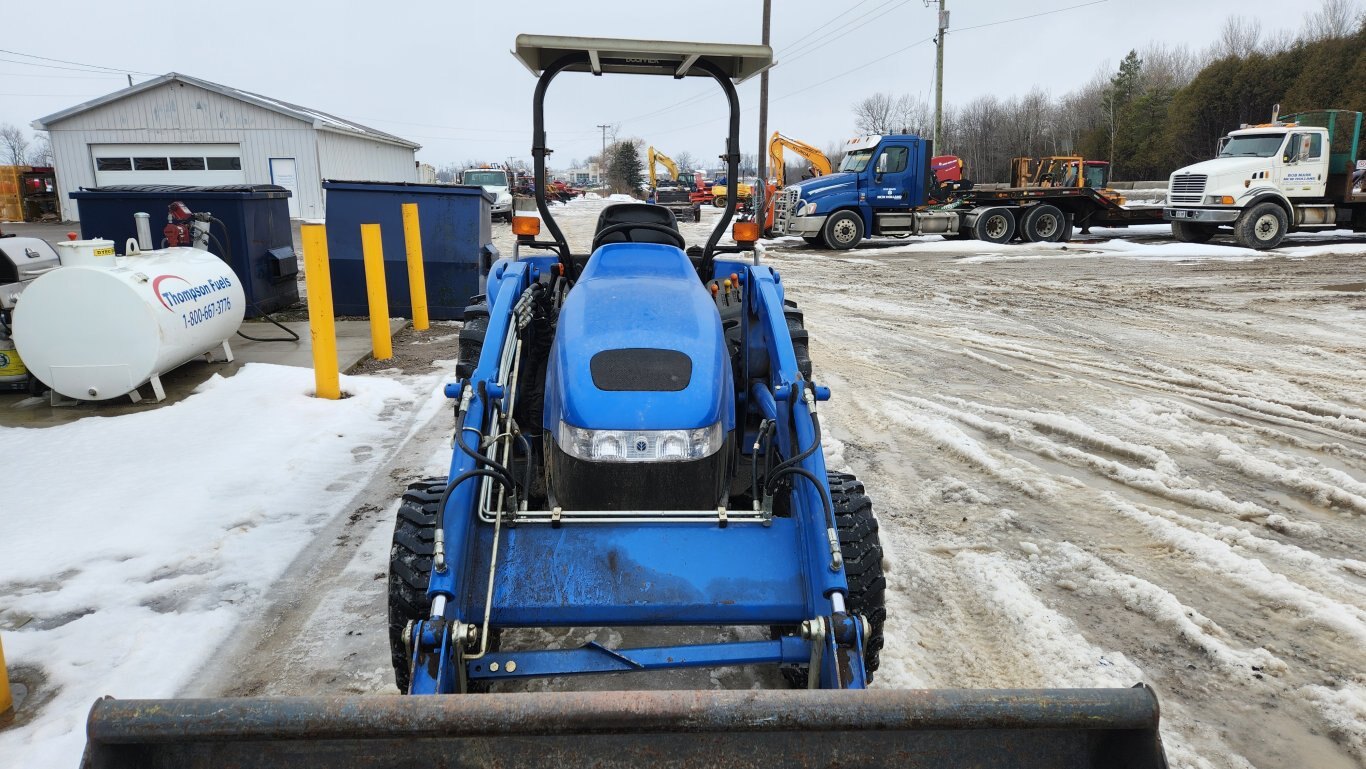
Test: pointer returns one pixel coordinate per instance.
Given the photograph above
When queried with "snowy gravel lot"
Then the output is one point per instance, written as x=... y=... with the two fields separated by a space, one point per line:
x=1124 y=460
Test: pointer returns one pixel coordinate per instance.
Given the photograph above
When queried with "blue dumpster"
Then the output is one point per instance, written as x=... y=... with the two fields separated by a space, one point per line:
x=457 y=237
x=258 y=237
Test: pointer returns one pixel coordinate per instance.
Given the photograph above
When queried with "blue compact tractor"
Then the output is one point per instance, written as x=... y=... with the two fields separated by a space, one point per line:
x=638 y=443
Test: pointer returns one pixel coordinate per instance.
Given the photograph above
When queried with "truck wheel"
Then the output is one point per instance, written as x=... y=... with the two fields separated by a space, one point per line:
x=1191 y=232
x=862 y=550
x=1043 y=223
x=1261 y=227
x=410 y=568
x=843 y=230
x=994 y=225
x=719 y=201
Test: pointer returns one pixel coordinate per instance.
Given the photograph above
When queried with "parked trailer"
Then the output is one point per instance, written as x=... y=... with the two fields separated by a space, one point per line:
x=884 y=187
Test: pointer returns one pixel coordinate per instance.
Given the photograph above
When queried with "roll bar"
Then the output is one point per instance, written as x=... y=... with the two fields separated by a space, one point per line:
x=547 y=56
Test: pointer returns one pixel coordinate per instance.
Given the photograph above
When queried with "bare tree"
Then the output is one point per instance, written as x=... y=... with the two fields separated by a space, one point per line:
x=875 y=114
x=1240 y=37
x=685 y=161
x=13 y=145
x=1334 y=18
x=41 y=154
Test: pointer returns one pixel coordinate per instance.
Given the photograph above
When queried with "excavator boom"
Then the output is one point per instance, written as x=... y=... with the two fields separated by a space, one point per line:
x=820 y=164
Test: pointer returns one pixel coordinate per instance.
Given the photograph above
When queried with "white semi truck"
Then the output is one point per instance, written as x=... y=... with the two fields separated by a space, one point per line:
x=1300 y=172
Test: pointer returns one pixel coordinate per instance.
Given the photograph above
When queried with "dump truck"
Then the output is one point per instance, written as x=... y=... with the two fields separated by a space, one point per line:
x=885 y=186
x=637 y=443
x=1297 y=173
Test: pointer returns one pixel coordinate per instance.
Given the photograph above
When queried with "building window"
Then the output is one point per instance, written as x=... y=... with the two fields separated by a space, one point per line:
x=225 y=164
x=113 y=164
x=187 y=164
x=150 y=164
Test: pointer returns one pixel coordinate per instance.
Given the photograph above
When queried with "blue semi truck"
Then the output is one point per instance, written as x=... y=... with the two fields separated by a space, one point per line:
x=884 y=184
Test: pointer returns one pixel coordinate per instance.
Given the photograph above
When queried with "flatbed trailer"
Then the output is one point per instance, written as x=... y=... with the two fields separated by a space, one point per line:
x=1087 y=206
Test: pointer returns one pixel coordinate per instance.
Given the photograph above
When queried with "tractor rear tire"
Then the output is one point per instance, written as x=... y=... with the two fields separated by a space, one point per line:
x=1193 y=232
x=862 y=550
x=1261 y=227
x=719 y=201
x=410 y=568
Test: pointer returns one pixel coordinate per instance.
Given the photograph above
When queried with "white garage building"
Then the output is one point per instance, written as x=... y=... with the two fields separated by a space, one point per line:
x=177 y=129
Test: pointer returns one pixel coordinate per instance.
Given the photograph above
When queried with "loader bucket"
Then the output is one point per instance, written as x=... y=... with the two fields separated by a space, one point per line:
x=1055 y=728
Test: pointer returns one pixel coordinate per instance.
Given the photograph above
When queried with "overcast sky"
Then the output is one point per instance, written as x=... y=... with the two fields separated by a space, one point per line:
x=440 y=73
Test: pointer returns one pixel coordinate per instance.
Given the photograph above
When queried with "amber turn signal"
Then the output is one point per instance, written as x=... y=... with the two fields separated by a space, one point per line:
x=745 y=232
x=526 y=225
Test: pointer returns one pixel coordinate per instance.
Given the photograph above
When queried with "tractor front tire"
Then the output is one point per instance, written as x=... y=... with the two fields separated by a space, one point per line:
x=472 y=331
x=862 y=550
x=410 y=568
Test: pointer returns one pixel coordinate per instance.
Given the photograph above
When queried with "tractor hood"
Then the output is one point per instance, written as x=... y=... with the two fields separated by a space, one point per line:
x=639 y=346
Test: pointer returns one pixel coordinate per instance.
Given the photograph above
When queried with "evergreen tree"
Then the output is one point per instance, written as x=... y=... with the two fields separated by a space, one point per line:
x=625 y=169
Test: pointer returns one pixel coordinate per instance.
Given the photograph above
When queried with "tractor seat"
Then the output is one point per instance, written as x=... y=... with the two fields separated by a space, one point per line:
x=644 y=213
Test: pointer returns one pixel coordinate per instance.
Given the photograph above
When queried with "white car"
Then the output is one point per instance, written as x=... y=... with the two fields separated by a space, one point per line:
x=494 y=181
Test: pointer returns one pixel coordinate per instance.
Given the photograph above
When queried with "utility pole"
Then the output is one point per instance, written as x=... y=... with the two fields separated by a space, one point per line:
x=602 y=156
x=762 y=187
x=939 y=76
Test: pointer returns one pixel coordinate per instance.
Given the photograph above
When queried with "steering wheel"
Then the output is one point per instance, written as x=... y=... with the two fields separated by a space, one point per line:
x=628 y=226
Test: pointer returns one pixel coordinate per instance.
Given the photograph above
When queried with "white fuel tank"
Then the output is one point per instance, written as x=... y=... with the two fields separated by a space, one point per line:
x=103 y=329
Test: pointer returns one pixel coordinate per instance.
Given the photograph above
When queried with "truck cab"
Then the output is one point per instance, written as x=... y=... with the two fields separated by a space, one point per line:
x=1268 y=180
x=877 y=185
x=495 y=182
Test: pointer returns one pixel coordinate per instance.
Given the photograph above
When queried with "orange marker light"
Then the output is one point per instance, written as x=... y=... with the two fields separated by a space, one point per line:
x=526 y=225
x=745 y=232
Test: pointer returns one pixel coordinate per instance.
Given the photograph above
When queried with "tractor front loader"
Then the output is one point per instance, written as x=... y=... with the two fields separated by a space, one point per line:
x=638 y=444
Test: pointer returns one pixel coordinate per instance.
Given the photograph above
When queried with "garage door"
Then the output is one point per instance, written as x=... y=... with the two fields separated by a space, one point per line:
x=191 y=164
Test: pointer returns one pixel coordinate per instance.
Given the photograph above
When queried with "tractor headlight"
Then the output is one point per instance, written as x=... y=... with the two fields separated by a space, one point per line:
x=806 y=209
x=640 y=445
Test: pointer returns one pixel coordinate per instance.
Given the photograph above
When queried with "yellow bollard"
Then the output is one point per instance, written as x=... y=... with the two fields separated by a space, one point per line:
x=372 y=249
x=417 y=277
x=322 y=326
x=6 y=697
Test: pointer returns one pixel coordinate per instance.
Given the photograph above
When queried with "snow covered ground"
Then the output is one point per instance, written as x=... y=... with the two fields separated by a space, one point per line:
x=1127 y=460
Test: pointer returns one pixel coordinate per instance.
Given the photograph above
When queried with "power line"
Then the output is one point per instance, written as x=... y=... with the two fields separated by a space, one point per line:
x=94 y=76
x=871 y=16
x=1030 y=16
x=75 y=63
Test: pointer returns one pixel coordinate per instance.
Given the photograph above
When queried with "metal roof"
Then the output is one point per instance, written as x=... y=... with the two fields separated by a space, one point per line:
x=318 y=119
x=643 y=57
